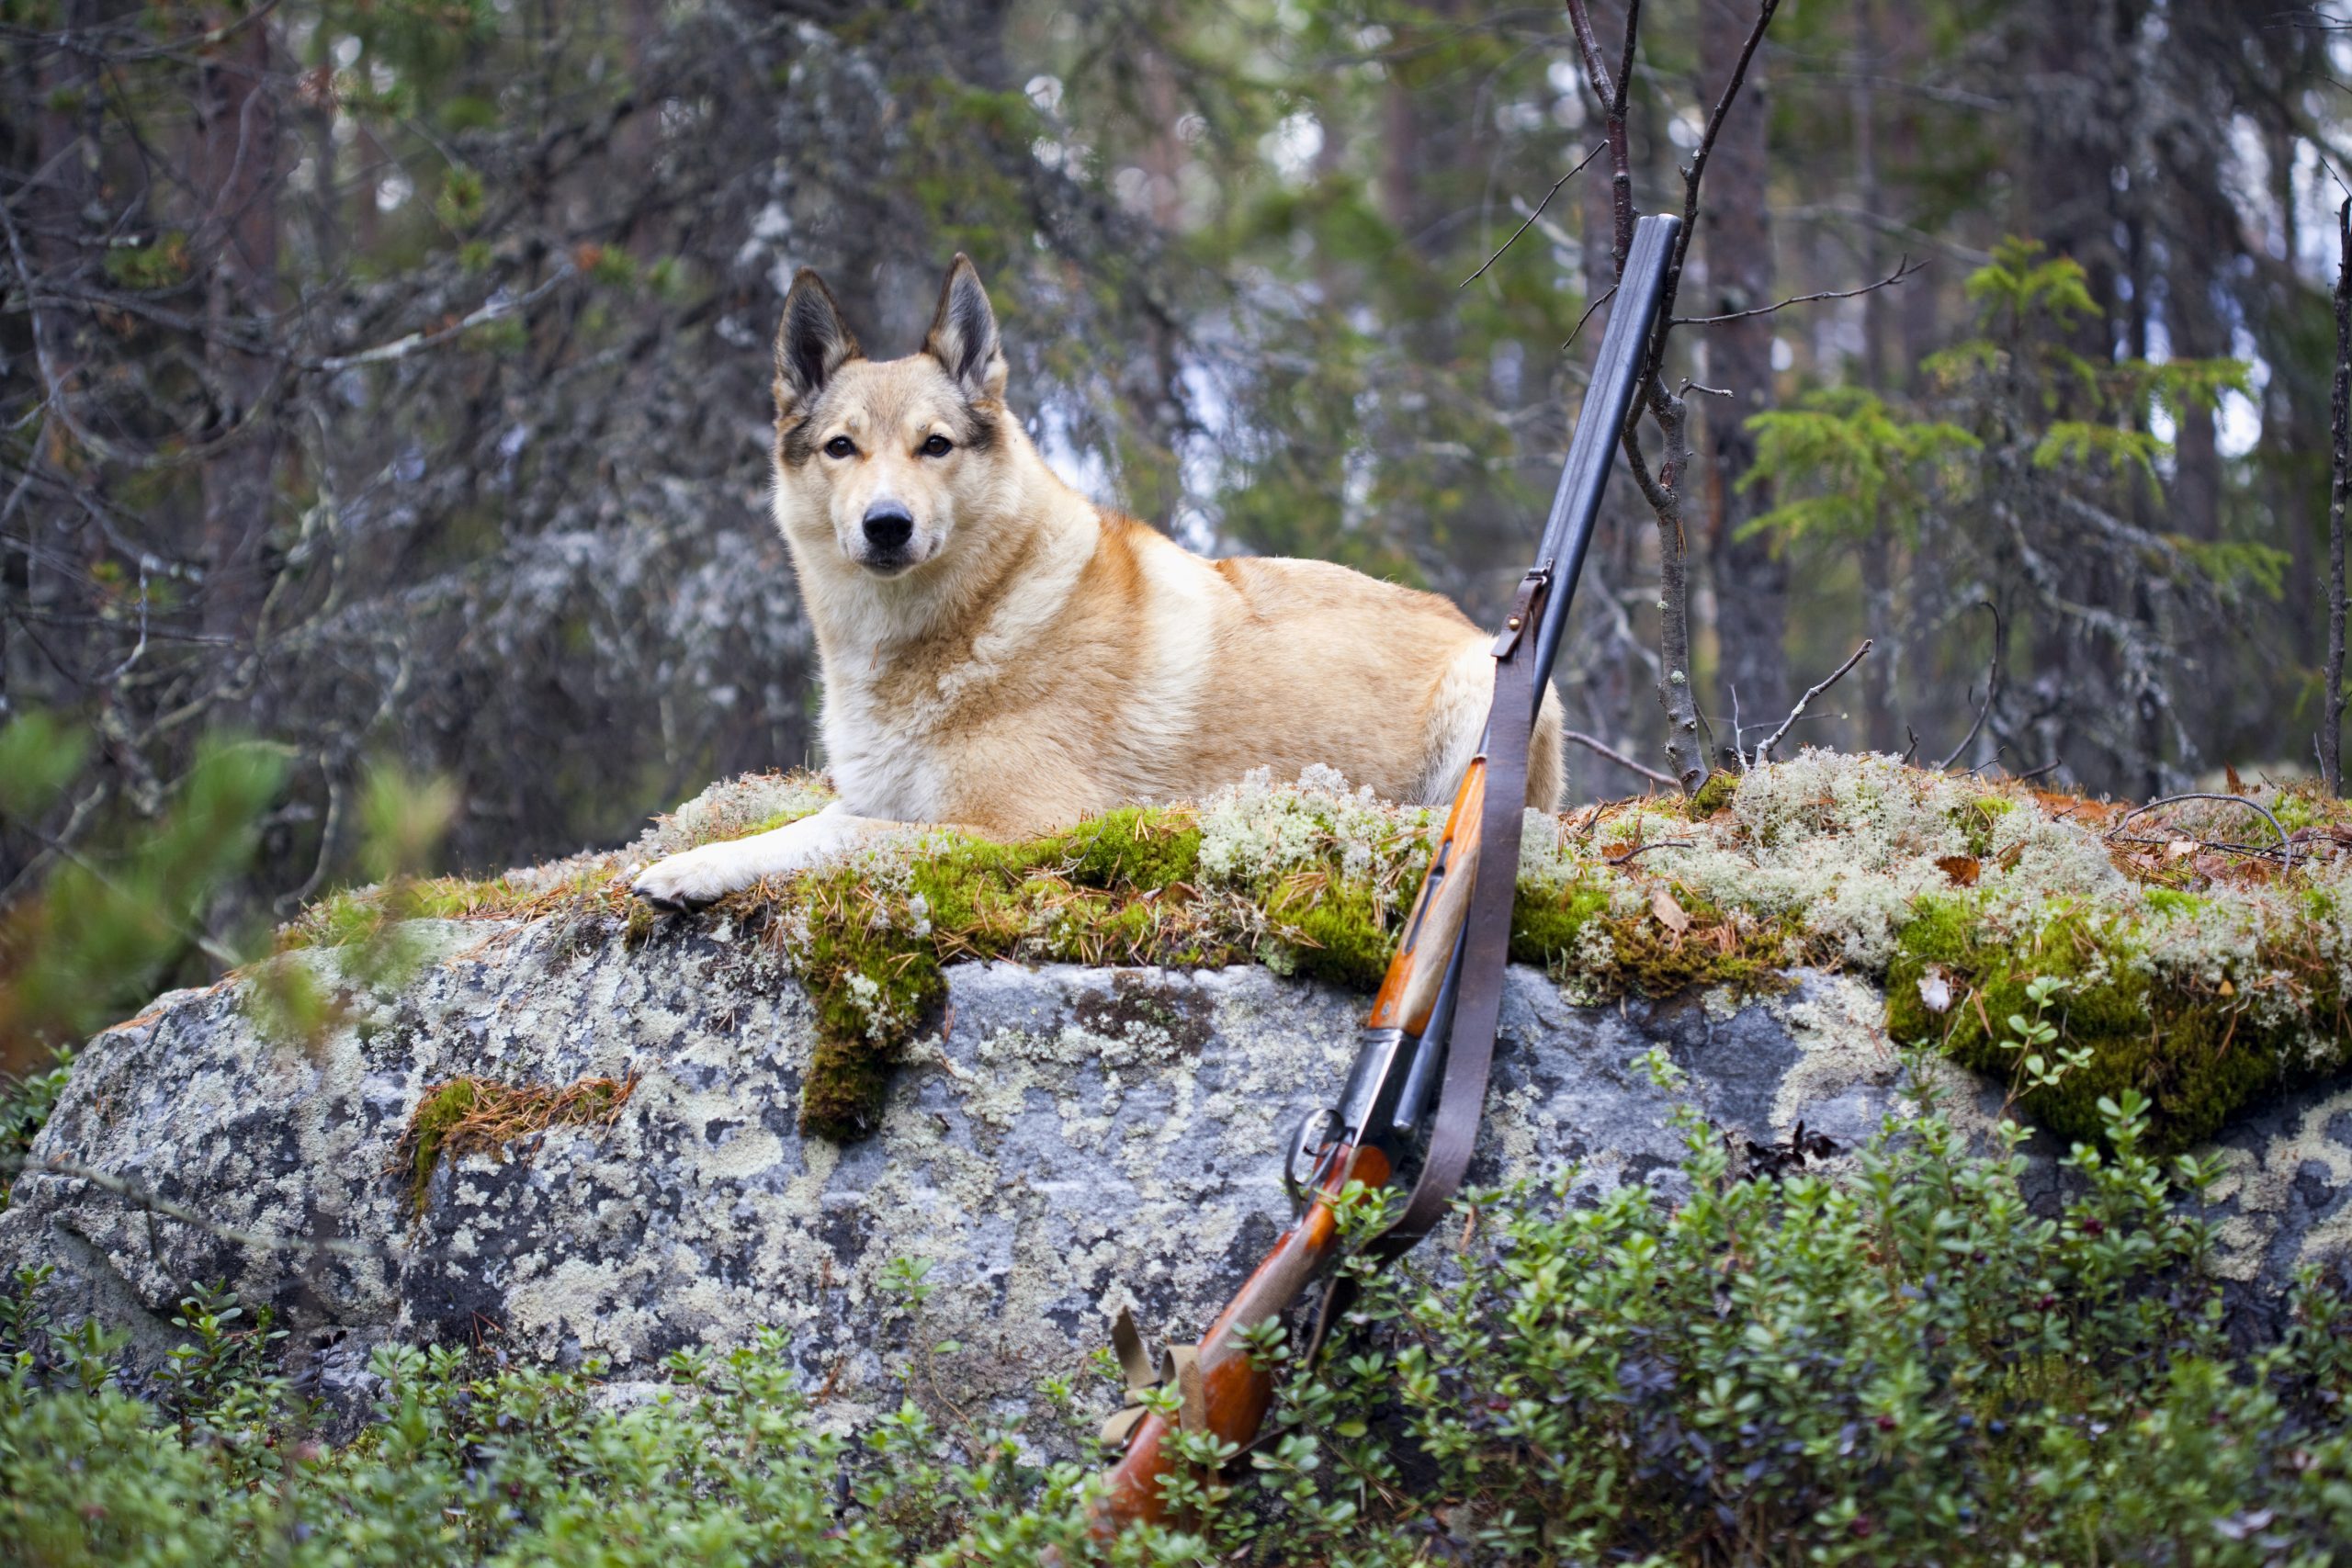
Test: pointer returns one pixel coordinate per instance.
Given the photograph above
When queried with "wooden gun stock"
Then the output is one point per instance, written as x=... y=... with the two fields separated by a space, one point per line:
x=1234 y=1395
x=1408 y=991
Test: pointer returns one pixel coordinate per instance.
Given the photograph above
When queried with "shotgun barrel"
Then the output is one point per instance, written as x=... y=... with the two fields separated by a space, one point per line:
x=1567 y=535
x=1616 y=377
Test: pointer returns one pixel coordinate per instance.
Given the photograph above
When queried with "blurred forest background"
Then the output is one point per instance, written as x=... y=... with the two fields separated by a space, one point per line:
x=385 y=382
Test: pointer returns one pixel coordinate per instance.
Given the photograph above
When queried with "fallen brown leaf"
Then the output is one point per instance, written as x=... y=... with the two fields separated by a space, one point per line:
x=1961 y=869
x=1669 y=913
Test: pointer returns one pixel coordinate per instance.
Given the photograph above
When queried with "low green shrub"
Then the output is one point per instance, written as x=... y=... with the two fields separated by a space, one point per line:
x=1905 y=1363
x=25 y=1105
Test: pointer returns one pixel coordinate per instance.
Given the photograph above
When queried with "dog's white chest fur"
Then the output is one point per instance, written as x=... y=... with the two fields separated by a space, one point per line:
x=904 y=732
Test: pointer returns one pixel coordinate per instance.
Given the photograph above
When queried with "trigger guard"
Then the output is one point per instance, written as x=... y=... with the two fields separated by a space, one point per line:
x=1317 y=1131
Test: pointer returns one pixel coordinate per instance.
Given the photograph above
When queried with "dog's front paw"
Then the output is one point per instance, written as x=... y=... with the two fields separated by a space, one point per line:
x=691 y=880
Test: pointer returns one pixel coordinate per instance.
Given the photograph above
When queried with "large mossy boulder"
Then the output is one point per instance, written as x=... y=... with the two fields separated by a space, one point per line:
x=528 y=1115
x=564 y=1152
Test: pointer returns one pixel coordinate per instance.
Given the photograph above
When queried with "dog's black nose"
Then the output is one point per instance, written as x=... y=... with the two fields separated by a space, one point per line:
x=889 y=526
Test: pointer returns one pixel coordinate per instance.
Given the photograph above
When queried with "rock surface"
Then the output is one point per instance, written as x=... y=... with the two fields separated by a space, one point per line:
x=1066 y=1140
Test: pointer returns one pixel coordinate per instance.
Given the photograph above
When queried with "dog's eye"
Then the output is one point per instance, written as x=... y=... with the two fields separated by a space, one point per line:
x=841 y=447
x=937 y=447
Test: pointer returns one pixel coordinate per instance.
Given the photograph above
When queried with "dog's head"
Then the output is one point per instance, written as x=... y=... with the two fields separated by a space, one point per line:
x=882 y=461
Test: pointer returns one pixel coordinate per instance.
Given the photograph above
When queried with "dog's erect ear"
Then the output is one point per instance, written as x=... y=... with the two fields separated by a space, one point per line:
x=811 y=342
x=963 y=335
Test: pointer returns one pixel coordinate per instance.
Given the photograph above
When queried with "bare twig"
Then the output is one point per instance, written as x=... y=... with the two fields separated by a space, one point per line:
x=1622 y=761
x=1764 y=750
x=1626 y=859
x=1693 y=175
x=1991 y=690
x=2286 y=844
x=2253 y=851
x=1904 y=268
x=1609 y=94
x=1583 y=164
x=1606 y=295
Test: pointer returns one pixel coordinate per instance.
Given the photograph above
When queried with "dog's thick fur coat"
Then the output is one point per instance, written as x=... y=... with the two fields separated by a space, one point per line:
x=1001 y=654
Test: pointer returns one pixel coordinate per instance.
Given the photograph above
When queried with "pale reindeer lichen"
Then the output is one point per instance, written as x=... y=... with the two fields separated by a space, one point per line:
x=2204 y=976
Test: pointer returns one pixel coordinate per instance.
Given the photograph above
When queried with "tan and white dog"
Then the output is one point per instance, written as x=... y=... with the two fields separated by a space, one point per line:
x=1003 y=655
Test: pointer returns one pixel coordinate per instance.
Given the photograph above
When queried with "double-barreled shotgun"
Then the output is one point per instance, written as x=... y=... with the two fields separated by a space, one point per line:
x=1432 y=1031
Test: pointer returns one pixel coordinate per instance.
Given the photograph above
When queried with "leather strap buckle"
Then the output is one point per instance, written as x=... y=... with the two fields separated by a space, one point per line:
x=1522 y=608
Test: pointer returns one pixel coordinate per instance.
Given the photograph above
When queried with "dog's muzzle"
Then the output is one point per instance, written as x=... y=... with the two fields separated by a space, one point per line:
x=889 y=528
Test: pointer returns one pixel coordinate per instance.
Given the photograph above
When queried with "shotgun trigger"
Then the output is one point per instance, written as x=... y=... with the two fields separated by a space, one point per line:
x=1303 y=1162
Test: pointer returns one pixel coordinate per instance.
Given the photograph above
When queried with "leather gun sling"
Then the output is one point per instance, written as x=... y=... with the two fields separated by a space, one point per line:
x=1470 y=1049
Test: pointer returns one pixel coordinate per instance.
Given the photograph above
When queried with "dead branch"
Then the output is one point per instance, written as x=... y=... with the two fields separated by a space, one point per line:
x=1693 y=175
x=1609 y=94
x=1903 y=270
x=1763 y=751
x=2252 y=851
x=1622 y=761
x=1663 y=488
x=2286 y=843
x=1992 y=691
x=1606 y=295
x=417 y=342
x=1583 y=164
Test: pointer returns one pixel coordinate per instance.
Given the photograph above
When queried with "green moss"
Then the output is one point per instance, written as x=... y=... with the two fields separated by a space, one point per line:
x=1712 y=796
x=1650 y=961
x=1134 y=846
x=1545 y=928
x=1975 y=820
x=2304 y=804
x=428 y=1130
x=1645 y=957
x=1120 y=888
x=2201 y=1059
x=1315 y=882
x=353 y=916
x=1342 y=931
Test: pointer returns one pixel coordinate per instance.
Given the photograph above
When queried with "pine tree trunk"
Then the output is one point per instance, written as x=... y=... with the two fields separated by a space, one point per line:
x=1751 y=583
x=235 y=176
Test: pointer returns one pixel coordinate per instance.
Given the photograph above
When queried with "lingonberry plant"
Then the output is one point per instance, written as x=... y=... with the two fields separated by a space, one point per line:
x=1895 y=1358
